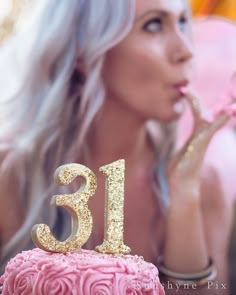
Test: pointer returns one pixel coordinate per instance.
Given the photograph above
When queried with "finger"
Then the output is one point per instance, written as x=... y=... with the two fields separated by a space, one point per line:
x=222 y=117
x=200 y=114
x=219 y=122
x=190 y=157
x=227 y=109
x=194 y=104
x=200 y=139
x=193 y=144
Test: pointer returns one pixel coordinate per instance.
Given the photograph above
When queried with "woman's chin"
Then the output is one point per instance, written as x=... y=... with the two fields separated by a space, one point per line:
x=173 y=115
x=174 y=112
x=172 y=118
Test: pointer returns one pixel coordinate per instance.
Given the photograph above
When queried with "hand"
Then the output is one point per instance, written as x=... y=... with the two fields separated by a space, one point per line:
x=184 y=168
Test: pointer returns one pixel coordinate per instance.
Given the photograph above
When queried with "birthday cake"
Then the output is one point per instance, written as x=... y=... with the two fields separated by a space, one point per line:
x=60 y=268
x=79 y=273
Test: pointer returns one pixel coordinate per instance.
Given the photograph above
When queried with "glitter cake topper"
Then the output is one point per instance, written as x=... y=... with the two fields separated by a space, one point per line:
x=76 y=204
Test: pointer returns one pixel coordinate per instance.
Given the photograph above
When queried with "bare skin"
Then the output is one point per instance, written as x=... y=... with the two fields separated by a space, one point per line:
x=143 y=75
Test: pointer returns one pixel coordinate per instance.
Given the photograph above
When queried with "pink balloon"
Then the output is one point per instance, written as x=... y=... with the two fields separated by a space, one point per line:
x=215 y=83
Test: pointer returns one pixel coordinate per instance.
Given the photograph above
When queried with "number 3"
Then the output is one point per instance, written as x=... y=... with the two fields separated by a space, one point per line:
x=76 y=204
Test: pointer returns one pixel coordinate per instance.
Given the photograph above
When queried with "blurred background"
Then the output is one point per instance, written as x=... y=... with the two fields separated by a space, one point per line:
x=225 y=8
x=215 y=37
x=214 y=33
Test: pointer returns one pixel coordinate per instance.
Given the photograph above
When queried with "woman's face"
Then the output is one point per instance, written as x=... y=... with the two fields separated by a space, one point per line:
x=144 y=72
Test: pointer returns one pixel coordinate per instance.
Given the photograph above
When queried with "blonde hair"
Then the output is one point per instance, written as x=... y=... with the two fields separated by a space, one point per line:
x=47 y=114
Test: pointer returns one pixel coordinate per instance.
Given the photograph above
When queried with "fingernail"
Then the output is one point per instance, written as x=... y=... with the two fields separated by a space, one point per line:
x=218 y=110
x=183 y=89
x=231 y=110
x=207 y=116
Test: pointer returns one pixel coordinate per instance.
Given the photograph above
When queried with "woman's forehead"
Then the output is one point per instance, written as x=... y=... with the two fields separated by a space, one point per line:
x=169 y=6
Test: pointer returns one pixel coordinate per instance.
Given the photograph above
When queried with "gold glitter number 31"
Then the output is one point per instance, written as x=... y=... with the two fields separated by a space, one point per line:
x=114 y=209
x=82 y=221
x=76 y=204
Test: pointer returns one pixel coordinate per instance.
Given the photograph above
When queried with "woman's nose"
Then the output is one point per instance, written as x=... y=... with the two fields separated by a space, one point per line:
x=182 y=49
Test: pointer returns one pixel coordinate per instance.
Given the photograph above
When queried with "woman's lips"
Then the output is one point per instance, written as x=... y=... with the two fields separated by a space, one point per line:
x=183 y=90
x=182 y=87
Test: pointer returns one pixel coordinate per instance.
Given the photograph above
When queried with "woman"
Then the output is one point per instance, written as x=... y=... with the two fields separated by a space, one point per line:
x=105 y=82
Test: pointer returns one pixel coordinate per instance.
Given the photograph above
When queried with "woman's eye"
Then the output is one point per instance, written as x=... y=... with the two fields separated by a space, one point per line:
x=183 y=22
x=153 y=25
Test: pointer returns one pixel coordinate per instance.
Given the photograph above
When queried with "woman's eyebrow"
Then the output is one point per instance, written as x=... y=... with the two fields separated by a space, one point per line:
x=160 y=12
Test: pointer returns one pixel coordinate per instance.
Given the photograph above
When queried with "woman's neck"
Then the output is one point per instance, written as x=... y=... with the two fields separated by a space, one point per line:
x=118 y=133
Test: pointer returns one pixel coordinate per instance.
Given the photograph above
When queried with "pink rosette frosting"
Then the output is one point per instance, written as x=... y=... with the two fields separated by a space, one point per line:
x=80 y=273
x=55 y=278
